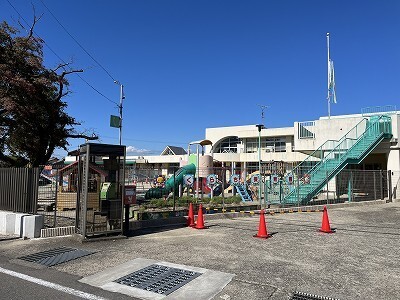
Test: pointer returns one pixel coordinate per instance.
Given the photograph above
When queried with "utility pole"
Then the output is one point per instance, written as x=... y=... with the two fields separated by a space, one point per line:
x=121 y=98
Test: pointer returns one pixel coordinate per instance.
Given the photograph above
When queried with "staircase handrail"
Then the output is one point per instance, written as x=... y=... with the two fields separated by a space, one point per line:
x=338 y=148
x=325 y=158
x=320 y=148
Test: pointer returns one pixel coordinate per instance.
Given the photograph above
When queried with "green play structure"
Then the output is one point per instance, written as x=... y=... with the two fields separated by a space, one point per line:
x=159 y=192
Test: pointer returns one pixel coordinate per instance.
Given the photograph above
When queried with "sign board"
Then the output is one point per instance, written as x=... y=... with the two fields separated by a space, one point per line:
x=115 y=121
x=274 y=179
x=255 y=179
x=130 y=195
x=235 y=179
x=211 y=180
x=289 y=178
x=188 y=180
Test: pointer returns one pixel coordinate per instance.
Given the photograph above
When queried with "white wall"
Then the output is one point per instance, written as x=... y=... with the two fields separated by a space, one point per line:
x=326 y=129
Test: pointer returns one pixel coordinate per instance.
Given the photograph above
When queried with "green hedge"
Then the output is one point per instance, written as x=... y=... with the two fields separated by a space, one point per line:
x=184 y=201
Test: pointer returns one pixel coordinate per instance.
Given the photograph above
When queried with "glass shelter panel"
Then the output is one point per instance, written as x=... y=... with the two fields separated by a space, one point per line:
x=101 y=186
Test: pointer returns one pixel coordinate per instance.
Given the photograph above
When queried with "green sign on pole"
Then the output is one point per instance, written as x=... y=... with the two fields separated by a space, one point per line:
x=115 y=121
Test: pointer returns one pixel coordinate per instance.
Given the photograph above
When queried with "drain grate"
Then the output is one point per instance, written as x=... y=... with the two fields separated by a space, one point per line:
x=306 y=296
x=158 y=279
x=55 y=256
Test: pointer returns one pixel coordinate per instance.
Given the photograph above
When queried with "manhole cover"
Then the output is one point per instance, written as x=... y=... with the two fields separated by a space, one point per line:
x=306 y=296
x=55 y=256
x=158 y=279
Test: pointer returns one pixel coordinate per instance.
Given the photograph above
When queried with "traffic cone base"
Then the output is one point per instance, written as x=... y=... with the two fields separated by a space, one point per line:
x=326 y=227
x=323 y=231
x=190 y=219
x=200 y=219
x=262 y=228
x=262 y=237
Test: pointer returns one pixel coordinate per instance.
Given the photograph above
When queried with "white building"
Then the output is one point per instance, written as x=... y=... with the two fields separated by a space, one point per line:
x=375 y=132
x=237 y=147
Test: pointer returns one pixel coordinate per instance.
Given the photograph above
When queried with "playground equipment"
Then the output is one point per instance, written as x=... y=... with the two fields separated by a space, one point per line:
x=173 y=181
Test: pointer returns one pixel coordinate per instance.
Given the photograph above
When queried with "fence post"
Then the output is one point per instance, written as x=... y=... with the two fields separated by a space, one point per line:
x=382 y=195
x=389 y=178
x=350 y=187
x=223 y=181
x=327 y=188
x=174 y=190
x=374 y=185
x=55 y=199
x=298 y=189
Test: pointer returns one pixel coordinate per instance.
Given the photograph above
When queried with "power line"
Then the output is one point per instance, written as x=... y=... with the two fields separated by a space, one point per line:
x=147 y=141
x=79 y=44
x=47 y=45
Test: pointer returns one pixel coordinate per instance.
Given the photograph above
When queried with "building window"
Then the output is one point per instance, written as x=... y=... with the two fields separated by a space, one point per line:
x=252 y=145
x=277 y=144
x=228 y=145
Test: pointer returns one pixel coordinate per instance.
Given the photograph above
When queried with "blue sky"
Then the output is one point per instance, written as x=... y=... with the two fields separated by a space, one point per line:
x=189 y=65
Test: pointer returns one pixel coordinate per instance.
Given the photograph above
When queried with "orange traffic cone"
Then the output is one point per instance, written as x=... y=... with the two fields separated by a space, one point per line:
x=190 y=219
x=325 y=222
x=262 y=228
x=200 y=219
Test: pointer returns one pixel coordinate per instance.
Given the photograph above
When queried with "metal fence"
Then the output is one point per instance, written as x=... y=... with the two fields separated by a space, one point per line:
x=57 y=195
x=53 y=192
x=275 y=184
x=19 y=189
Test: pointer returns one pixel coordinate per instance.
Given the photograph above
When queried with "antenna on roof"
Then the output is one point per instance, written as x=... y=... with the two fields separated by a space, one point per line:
x=263 y=107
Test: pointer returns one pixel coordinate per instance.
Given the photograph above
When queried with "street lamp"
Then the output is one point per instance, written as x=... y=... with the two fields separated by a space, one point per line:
x=121 y=98
x=259 y=127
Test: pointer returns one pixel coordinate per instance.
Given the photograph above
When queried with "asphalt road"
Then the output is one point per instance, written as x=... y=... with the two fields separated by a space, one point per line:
x=359 y=261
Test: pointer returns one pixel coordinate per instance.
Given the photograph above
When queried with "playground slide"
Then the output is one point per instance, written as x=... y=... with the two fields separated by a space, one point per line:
x=155 y=193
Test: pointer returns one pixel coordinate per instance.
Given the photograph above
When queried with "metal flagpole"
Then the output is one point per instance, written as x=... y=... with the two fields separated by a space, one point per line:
x=328 y=97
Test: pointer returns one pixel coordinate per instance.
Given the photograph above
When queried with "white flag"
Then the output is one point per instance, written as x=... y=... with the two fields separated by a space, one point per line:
x=331 y=82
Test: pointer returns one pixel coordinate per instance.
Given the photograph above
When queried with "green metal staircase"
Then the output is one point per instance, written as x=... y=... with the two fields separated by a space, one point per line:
x=333 y=156
x=242 y=190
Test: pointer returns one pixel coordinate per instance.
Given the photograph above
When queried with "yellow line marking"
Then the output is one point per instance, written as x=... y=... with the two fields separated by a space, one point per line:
x=232 y=210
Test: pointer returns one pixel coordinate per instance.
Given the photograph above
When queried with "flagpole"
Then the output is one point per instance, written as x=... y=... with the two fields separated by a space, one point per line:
x=328 y=98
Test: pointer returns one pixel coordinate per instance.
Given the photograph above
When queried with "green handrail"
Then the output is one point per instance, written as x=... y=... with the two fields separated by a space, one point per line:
x=319 y=152
x=343 y=150
x=352 y=145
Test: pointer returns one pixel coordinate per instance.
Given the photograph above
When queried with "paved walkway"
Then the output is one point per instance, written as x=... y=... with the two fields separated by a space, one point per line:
x=359 y=261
